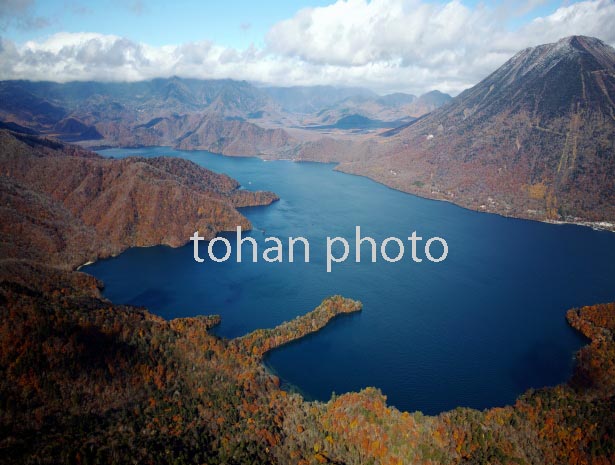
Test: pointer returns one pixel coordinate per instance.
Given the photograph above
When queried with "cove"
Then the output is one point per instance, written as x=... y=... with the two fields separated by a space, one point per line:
x=475 y=330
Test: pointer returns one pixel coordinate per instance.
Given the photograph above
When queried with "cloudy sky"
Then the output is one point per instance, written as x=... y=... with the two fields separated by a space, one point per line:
x=386 y=45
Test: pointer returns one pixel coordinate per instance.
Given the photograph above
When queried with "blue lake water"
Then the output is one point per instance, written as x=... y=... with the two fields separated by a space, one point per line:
x=475 y=330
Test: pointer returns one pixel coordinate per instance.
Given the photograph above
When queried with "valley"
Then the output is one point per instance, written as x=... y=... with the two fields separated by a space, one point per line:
x=505 y=146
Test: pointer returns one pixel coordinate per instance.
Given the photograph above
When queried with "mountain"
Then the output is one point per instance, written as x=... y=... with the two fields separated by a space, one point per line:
x=155 y=112
x=535 y=139
x=24 y=102
x=63 y=205
x=396 y=99
x=356 y=122
x=427 y=103
x=222 y=116
x=234 y=137
x=172 y=94
x=336 y=107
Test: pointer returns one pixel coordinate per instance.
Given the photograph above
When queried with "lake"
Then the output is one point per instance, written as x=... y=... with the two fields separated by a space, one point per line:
x=475 y=330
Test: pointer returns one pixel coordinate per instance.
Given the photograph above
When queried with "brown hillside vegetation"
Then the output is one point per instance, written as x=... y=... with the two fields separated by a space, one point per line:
x=84 y=381
x=65 y=206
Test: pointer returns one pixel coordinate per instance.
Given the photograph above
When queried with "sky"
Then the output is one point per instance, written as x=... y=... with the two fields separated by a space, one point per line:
x=386 y=45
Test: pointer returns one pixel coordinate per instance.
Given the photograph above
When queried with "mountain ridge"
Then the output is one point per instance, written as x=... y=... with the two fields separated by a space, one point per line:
x=80 y=206
x=222 y=116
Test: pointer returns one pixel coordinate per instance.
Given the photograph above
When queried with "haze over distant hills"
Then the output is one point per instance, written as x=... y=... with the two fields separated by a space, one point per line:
x=311 y=99
x=225 y=116
x=397 y=108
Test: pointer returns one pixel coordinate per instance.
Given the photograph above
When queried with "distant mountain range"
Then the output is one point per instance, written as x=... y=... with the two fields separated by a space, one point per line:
x=535 y=139
x=328 y=104
x=225 y=116
x=74 y=109
x=141 y=113
x=396 y=105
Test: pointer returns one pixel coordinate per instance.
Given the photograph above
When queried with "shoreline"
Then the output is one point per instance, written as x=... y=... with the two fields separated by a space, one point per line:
x=600 y=225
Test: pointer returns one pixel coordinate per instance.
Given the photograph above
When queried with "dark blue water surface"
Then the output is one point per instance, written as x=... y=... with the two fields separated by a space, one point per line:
x=475 y=330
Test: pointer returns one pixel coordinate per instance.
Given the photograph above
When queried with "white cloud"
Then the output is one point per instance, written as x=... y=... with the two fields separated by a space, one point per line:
x=592 y=18
x=388 y=45
x=447 y=46
x=355 y=33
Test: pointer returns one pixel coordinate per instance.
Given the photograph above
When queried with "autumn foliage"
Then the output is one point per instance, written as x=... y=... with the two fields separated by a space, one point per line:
x=86 y=381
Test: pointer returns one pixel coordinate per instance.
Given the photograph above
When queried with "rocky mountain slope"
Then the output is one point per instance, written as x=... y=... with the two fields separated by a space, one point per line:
x=63 y=205
x=535 y=139
x=234 y=137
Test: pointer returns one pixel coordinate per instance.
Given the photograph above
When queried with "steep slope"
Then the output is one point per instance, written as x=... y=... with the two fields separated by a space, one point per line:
x=234 y=137
x=20 y=104
x=534 y=139
x=62 y=204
